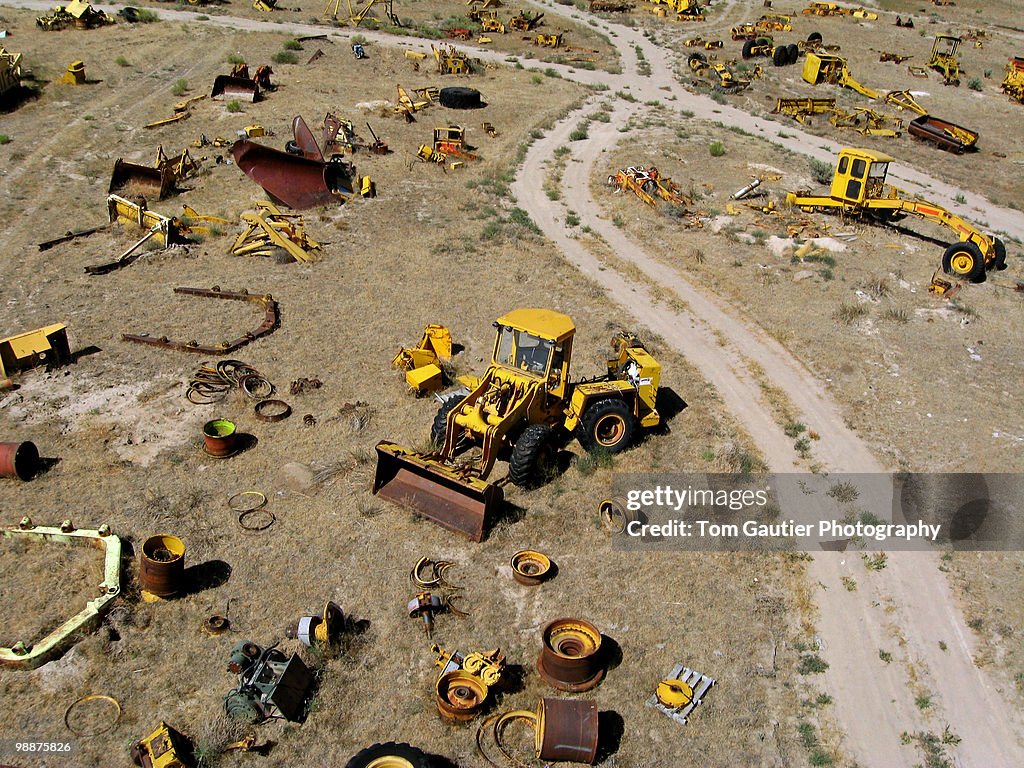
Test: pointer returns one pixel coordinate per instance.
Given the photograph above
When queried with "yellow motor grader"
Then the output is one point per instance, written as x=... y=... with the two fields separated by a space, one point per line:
x=859 y=189
x=517 y=411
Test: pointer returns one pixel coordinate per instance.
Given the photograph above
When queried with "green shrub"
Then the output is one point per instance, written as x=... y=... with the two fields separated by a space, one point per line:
x=975 y=84
x=121 y=61
x=234 y=106
x=147 y=17
x=284 y=57
x=821 y=171
x=234 y=58
x=292 y=45
x=579 y=134
x=4 y=138
x=179 y=87
x=810 y=664
x=716 y=148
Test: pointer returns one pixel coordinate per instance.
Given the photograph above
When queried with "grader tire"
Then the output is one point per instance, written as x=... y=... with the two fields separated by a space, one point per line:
x=964 y=260
x=607 y=425
x=533 y=455
x=390 y=755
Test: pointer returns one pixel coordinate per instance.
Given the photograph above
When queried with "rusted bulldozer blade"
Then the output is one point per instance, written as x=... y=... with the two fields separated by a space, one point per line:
x=231 y=88
x=152 y=182
x=298 y=182
x=410 y=480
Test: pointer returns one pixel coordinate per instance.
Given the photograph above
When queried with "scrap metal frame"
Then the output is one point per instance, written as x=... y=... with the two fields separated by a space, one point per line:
x=271 y=320
x=60 y=639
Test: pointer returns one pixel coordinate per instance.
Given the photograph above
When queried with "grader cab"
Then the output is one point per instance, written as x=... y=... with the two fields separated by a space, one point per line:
x=514 y=412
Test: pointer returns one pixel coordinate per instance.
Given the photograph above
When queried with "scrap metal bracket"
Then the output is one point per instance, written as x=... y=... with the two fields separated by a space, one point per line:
x=271 y=320
x=23 y=656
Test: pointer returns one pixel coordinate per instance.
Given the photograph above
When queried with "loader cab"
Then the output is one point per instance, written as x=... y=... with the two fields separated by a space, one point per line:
x=860 y=174
x=538 y=343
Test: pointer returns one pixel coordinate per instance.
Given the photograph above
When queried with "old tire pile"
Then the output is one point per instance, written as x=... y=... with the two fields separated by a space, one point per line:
x=458 y=97
x=390 y=755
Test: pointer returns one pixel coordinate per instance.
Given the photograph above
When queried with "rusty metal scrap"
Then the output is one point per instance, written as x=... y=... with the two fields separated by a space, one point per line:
x=77 y=13
x=895 y=58
x=271 y=321
x=270 y=229
x=297 y=180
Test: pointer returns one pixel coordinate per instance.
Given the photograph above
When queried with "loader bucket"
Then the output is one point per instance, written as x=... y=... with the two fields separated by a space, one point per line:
x=143 y=179
x=229 y=88
x=434 y=491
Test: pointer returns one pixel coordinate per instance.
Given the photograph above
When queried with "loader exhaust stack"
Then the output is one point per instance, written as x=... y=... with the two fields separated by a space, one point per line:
x=435 y=492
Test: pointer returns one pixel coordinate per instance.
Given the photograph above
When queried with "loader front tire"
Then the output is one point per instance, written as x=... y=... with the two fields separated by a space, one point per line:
x=533 y=456
x=964 y=260
x=748 y=49
x=607 y=425
x=439 y=428
x=794 y=53
x=780 y=56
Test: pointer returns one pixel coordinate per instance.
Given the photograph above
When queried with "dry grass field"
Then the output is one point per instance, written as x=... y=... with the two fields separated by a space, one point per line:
x=929 y=384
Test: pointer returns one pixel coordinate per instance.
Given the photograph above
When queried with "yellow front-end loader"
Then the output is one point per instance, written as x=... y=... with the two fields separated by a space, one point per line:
x=516 y=412
x=859 y=189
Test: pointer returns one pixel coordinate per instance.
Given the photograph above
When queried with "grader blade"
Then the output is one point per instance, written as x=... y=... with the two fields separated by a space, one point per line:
x=433 y=491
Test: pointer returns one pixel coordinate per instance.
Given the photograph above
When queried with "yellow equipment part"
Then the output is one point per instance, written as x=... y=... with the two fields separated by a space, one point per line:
x=1013 y=83
x=160 y=749
x=905 y=100
x=801 y=109
x=47 y=345
x=269 y=229
x=827 y=68
x=674 y=693
x=425 y=378
x=75 y=74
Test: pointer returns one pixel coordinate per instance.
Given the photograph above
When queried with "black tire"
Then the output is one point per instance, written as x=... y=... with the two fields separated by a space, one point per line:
x=607 y=425
x=440 y=425
x=293 y=149
x=533 y=455
x=748 y=49
x=697 y=61
x=794 y=52
x=458 y=97
x=964 y=260
x=1000 y=248
x=414 y=758
x=814 y=37
x=780 y=56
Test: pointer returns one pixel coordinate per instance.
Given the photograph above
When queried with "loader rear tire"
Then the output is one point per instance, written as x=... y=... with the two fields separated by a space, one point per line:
x=780 y=56
x=748 y=49
x=388 y=755
x=440 y=426
x=607 y=425
x=1000 y=248
x=794 y=52
x=964 y=260
x=533 y=456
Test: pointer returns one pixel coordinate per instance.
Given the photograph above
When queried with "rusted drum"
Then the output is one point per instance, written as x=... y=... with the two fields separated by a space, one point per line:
x=570 y=657
x=530 y=568
x=460 y=695
x=219 y=437
x=162 y=565
x=19 y=460
x=567 y=730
